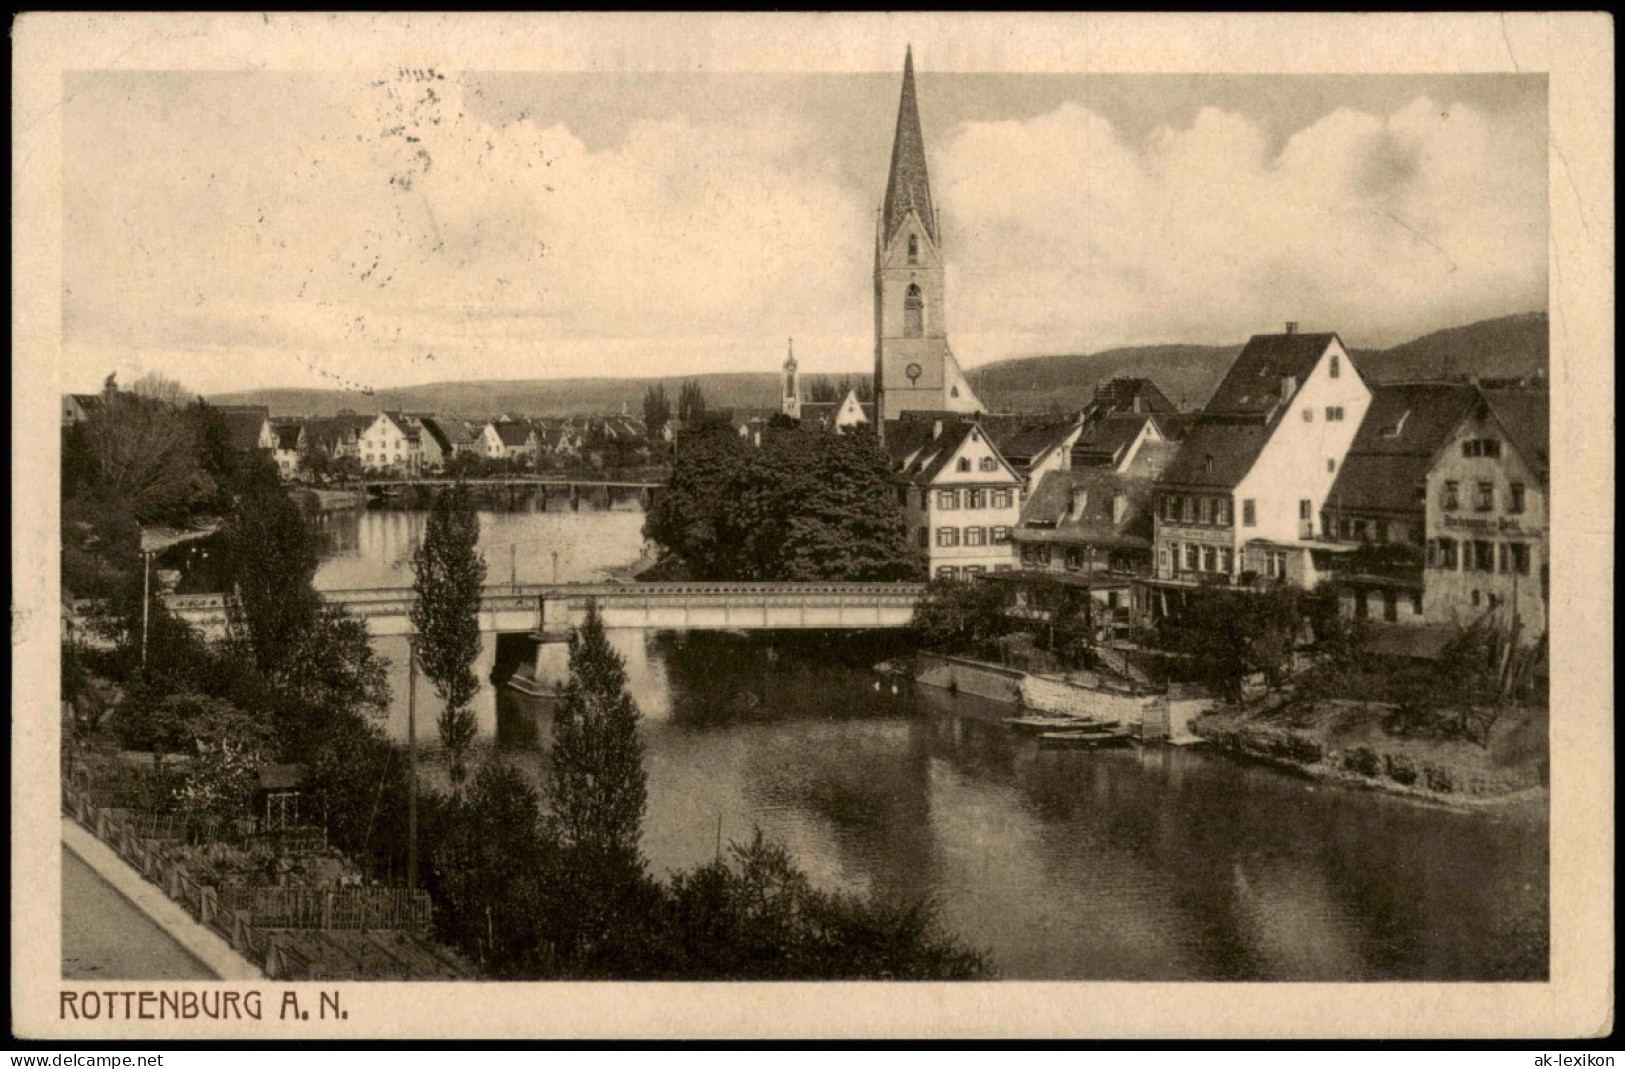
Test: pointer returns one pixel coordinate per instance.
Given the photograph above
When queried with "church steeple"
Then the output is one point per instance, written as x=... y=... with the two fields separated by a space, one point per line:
x=790 y=403
x=907 y=186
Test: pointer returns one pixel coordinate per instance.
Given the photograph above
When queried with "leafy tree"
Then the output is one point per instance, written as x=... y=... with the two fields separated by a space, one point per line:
x=690 y=403
x=685 y=519
x=271 y=556
x=162 y=389
x=802 y=507
x=449 y=576
x=656 y=410
x=485 y=871
x=953 y=616
x=1229 y=634
x=597 y=791
x=146 y=452
x=757 y=916
x=848 y=526
x=229 y=747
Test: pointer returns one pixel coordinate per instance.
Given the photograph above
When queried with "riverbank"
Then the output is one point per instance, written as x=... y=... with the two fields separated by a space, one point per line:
x=1352 y=743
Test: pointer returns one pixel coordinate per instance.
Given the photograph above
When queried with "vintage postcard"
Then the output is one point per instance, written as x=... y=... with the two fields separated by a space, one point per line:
x=843 y=526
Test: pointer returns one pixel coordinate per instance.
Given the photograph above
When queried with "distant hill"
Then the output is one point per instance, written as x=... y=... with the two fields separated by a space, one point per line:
x=1515 y=346
x=1511 y=346
x=535 y=397
x=1187 y=374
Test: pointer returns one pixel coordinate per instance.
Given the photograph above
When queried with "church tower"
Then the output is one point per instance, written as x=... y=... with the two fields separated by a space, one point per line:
x=914 y=368
x=790 y=402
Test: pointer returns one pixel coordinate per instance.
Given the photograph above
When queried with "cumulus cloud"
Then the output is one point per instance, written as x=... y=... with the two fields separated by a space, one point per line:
x=248 y=230
x=1382 y=227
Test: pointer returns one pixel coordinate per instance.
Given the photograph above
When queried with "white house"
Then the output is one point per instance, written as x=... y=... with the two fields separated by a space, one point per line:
x=1243 y=496
x=960 y=495
x=392 y=443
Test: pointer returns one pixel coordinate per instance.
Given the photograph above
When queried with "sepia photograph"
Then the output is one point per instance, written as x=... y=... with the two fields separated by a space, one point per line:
x=912 y=519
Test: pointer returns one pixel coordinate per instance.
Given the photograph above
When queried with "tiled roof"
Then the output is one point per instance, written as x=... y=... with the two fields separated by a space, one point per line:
x=411 y=429
x=1153 y=459
x=287 y=435
x=1103 y=441
x=908 y=186
x=1220 y=449
x=243 y=425
x=1253 y=383
x=1217 y=455
x=1022 y=438
x=512 y=432
x=1120 y=394
x=935 y=455
x=1388 y=461
x=904 y=437
x=1057 y=513
x=1526 y=415
x=334 y=430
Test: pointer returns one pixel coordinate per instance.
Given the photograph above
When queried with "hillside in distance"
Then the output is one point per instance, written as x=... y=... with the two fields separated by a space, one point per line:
x=1506 y=347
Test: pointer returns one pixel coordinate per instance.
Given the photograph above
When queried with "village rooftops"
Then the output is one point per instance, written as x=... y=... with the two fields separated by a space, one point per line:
x=1022 y=439
x=1103 y=440
x=1387 y=464
x=1128 y=394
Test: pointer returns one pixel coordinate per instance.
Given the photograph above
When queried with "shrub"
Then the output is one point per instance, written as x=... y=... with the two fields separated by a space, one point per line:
x=1438 y=779
x=1399 y=769
x=1362 y=760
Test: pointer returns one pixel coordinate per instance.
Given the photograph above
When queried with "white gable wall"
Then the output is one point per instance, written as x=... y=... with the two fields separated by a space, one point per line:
x=1292 y=467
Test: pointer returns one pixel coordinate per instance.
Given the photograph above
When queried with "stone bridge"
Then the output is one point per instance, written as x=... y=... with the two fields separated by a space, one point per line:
x=552 y=609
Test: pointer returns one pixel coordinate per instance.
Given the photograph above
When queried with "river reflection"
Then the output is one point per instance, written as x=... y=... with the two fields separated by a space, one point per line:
x=1162 y=863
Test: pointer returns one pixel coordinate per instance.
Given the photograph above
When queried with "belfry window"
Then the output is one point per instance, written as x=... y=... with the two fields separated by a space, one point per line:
x=913 y=313
x=913 y=249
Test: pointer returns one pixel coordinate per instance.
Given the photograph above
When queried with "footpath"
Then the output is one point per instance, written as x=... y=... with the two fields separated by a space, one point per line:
x=105 y=938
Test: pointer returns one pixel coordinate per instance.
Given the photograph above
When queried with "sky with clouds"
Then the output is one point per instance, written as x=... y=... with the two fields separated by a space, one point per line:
x=239 y=230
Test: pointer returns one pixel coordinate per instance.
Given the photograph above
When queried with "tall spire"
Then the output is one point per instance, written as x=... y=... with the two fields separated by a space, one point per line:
x=907 y=186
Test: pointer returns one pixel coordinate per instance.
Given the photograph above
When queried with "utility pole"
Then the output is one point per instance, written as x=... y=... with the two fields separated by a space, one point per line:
x=412 y=764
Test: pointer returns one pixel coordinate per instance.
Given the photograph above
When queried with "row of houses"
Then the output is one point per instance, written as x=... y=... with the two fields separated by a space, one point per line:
x=416 y=443
x=1422 y=503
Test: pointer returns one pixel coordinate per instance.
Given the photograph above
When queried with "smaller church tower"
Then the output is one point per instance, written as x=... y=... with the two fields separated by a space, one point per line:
x=790 y=403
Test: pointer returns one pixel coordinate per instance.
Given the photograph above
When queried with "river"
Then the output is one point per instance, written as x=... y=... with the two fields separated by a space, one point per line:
x=1154 y=864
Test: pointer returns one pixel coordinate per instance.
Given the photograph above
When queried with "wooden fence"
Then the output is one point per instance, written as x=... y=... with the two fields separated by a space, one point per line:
x=374 y=908
x=272 y=952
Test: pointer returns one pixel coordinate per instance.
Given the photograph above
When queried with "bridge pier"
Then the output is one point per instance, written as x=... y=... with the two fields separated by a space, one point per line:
x=575 y=497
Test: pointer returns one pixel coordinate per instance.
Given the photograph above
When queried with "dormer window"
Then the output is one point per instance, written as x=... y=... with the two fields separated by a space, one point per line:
x=913 y=249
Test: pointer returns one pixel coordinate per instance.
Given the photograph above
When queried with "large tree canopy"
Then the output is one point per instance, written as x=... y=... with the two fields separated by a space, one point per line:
x=802 y=507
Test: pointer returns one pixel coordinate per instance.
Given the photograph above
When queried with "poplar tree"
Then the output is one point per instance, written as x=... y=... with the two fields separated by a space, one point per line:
x=597 y=789
x=449 y=573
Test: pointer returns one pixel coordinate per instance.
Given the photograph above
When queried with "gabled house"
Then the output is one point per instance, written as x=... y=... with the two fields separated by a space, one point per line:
x=78 y=407
x=337 y=436
x=248 y=427
x=1378 y=503
x=1243 y=497
x=1114 y=441
x=289 y=436
x=451 y=438
x=1035 y=445
x=509 y=439
x=393 y=443
x=1487 y=525
x=960 y=495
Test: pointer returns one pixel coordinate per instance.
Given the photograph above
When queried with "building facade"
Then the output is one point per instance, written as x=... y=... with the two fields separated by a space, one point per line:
x=961 y=499
x=1487 y=517
x=1243 y=497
